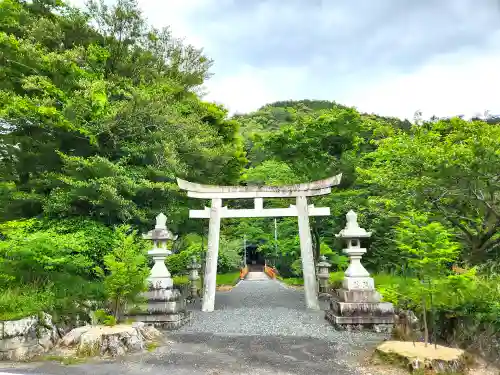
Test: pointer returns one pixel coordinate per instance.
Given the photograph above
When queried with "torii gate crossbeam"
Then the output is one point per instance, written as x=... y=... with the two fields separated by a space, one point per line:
x=301 y=210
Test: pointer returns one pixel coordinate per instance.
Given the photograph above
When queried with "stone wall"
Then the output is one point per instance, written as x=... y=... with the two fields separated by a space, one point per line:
x=28 y=337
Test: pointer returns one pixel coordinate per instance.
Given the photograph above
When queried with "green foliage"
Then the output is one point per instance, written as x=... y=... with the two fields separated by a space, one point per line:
x=181 y=280
x=447 y=167
x=428 y=247
x=103 y=318
x=17 y=302
x=230 y=255
x=338 y=262
x=295 y=281
x=335 y=279
x=54 y=266
x=464 y=304
x=126 y=270
x=99 y=112
x=98 y=115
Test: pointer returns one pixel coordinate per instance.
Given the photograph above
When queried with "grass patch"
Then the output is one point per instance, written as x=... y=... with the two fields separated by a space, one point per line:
x=335 y=280
x=294 y=281
x=151 y=346
x=231 y=278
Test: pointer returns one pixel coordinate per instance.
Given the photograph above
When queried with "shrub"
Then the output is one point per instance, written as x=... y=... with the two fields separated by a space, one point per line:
x=53 y=265
x=181 y=280
x=103 y=318
x=464 y=310
x=336 y=279
x=20 y=302
x=126 y=270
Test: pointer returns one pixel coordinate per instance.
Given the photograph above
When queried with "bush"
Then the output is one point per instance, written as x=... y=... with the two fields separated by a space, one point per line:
x=104 y=318
x=181 y=280
x=296 y=267
x=465 y=307
x=336 y=279
x=126 y=270
x=44 y=270
x=178 y=263
x=17 y=303
x=229 y=255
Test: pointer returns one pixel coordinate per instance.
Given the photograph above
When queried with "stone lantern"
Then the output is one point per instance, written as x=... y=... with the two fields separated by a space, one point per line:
x=323 y=274
x=165 y=305
x=356 y=274
x=160 y=276
x=359 y=304
x=193 y=268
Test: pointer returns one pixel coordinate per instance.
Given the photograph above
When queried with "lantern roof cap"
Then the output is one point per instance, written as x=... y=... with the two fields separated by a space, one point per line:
x=160 y=231
x=352 y=228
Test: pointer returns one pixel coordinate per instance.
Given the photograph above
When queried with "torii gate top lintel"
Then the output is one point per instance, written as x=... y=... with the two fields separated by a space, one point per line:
x=202 y=191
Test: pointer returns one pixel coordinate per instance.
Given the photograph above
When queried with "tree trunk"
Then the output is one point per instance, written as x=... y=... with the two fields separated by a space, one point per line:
x=426 y=328
x=117 y=307
x=316 y=242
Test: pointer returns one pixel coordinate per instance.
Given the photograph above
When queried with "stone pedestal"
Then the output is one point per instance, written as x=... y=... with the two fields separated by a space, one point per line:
x=165 y=307
x=358 y=309
x=358 y=304
x=323 y=275
x=193 y=277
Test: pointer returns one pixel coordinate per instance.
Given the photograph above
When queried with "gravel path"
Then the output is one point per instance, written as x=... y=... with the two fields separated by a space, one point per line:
x=269 y=308
x=260 y=327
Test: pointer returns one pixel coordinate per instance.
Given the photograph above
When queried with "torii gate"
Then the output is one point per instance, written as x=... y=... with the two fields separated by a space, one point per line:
x=301 y=210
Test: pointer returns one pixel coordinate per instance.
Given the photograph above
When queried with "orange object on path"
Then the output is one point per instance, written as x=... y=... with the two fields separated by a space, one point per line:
x=243 y=272
x=271 y=272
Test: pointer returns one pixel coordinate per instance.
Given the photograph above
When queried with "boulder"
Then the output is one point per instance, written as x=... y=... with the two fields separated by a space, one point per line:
x=25 y=338
x=113 y=341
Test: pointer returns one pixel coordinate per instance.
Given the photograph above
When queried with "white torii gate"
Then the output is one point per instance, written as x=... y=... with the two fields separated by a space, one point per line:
x=301 y=210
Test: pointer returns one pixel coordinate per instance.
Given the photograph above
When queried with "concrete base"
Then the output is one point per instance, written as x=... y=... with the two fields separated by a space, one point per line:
x=363 y=309
x=165 y=321
x=360 y=309
x=358 y=295
x=165 y=309
x=358 y=323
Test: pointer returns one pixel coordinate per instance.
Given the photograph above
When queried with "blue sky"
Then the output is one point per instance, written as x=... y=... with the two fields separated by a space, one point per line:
x=391 y=57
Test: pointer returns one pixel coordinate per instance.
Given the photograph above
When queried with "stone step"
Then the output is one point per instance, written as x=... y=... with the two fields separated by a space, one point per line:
x=256 y=276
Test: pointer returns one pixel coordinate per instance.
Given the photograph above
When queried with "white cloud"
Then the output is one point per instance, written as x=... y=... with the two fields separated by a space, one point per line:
x=455 y=84
x=392 y=59
x=249 y=88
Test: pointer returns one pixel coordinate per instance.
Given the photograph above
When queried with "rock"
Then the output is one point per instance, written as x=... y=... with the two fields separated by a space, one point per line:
x=26 y=338
x=148 y=332
x=73 y=336
x=417 y=356
x=113 y=341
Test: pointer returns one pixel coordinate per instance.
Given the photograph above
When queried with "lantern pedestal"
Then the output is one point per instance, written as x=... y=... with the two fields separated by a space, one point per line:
x=358 y=305
x=323 y=275
x=165 y=307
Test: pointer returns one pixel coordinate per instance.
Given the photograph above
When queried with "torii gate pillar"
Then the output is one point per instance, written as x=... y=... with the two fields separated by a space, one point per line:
x=301 y=210
x=306 y=254
x=212 y=257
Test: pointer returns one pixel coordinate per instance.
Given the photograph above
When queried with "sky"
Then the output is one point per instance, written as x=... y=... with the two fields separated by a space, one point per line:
x=390 y=57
